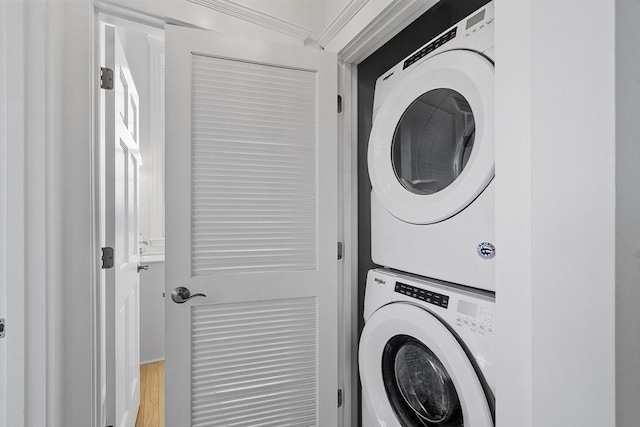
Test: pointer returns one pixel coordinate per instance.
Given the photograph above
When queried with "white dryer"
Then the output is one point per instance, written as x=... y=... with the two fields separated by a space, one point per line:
x=427 y=353
x=431 y=158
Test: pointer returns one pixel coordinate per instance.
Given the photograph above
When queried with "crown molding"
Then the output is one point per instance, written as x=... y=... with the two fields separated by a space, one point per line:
x=256 y=17
x=340 y=21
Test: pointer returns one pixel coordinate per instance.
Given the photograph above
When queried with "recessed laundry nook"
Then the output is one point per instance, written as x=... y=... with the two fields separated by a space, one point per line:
x=330 y=213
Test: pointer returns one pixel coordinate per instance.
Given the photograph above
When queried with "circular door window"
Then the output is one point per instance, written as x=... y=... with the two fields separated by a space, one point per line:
x=433 y=141
x=418 y=385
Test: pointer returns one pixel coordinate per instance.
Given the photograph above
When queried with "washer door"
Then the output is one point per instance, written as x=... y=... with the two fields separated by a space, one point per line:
x=414 y=372
x=431 y=149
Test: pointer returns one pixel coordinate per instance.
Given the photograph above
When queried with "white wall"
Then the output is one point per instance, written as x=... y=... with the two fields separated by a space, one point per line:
x=31 y=213
x=627 y=213
x=138 y=49
x=556 y=146
x=332 y=8
x=153 y=206
x=513 y=149
x=573 y=208
x=12 y=351
x=152 y=313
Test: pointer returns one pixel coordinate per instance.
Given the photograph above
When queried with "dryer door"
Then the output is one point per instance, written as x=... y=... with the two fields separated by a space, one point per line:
x=415 y=373
x=431 y=145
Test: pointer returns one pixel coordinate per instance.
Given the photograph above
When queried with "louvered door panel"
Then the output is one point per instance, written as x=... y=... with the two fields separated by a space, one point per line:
x=254 y=364
x=254 y=177
x=251 y=172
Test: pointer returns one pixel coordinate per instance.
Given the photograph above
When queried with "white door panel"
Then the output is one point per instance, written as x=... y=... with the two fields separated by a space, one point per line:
x=251 y=191
x=122 y=161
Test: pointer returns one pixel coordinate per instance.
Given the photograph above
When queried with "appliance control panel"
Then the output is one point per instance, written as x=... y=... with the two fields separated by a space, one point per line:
x=472 y=24
x=422 y=294
x=448 y=36
x=478 y=21
x=479 y=318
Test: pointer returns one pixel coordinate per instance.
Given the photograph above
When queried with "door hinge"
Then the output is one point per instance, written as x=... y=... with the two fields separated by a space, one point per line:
x=339 y=398
x=1 y=328
x=107 y=258
x=106 y=78
x=340 y=250
x=339 y=104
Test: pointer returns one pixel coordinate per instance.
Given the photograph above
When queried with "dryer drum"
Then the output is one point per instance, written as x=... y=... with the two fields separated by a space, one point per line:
x=433 y=141
x=418 y=386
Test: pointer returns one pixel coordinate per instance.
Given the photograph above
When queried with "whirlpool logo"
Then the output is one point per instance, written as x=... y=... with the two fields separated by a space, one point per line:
x=486 y=250
x=378 y=280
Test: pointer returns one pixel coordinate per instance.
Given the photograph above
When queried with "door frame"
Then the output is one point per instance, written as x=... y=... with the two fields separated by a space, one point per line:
x=360 y=45
x=12 y=238
x=355 y=40
x=102 y=360
x=31 y=213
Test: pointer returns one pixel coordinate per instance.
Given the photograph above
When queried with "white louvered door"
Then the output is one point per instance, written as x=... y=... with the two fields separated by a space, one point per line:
x=251 y=192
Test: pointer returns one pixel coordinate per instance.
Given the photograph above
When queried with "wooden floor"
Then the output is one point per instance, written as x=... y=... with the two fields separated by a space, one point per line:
x=151 y=412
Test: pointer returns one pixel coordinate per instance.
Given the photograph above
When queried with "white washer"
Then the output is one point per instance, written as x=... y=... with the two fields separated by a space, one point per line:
x=427 y=353
x=431 y=158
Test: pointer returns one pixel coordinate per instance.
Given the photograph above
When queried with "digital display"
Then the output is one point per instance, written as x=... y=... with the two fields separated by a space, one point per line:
x=468 y=308
x=475 y=19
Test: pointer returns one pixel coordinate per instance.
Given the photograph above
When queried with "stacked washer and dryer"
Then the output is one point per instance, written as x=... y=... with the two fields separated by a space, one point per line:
x=427 y=351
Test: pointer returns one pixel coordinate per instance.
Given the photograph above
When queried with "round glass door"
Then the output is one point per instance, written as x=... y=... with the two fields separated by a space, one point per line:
x=433 y=141
x=418 y=385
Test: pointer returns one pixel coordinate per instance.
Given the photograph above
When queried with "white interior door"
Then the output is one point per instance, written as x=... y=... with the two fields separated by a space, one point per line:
x=251 y=223
x=122 y=160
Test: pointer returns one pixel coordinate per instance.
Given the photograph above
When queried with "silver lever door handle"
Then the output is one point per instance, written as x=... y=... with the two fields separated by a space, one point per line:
x=142 y=267
x=180 y=295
